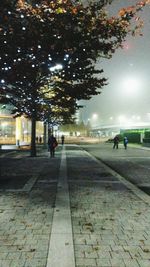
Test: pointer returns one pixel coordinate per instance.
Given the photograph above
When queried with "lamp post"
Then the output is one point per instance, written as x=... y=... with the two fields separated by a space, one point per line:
x=94 y=119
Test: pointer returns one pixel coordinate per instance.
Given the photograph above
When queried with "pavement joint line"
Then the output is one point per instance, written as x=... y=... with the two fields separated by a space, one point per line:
x=30 y=183
x=8 y=153
x=61 y=249
x=94 y=181
x=138 y=192
x=48 y=181
x=25 y=189
x=144 y=184
x=130 y=157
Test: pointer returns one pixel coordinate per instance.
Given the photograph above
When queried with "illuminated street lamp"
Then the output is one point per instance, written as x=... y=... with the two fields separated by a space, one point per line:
x=94 y=119
x=57 y=67
x=122 y=119
x=94 y=116
x=130 y=85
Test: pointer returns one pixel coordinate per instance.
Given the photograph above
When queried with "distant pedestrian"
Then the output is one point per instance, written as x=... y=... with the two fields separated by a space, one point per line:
x=52 y=144
x=116 y=142
x=62 y=139
x=40 y=139
x=37 y=139
x=125 y=142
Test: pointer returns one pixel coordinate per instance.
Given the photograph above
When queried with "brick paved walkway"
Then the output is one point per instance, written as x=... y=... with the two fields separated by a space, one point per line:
x=110 y=221
x=111 y=224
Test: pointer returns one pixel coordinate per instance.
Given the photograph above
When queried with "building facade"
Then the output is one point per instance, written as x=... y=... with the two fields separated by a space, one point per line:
x=16 y=130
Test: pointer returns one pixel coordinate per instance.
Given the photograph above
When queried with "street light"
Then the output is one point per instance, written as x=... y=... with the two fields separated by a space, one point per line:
x=56 y=67
x=131 y=85
x=94 y=116
x=94 y=119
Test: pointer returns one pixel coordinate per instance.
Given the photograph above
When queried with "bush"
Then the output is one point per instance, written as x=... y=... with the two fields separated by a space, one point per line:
x=146 y=140
x=147 y=135
x=133 y=137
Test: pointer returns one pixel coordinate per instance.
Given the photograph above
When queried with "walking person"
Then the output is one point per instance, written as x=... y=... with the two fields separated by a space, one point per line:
x=52 y=143
x=62 y=139
x=40 y=139
x=125 y=142
x=116 y=142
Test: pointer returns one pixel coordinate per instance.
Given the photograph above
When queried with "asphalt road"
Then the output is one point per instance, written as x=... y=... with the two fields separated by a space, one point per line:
x=133 y=164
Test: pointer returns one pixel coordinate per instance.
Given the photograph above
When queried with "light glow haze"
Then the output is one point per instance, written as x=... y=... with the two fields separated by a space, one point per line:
x=128 y=73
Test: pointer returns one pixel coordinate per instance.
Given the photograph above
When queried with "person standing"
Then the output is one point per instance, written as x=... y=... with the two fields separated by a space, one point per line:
x=116 y=142
x=52 y=143
x=125 y=142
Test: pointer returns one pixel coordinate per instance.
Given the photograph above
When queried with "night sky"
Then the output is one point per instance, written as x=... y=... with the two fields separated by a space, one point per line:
x=127 y=96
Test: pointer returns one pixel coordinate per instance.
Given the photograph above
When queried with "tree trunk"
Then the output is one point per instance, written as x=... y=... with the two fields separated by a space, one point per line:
x=50 y=130
x=33 y=136
x=45 y=135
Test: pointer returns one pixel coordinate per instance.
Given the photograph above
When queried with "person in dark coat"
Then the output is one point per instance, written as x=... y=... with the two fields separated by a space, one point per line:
x=62 y=139
x=116 y=142
x=40 y=139
x=52 y=143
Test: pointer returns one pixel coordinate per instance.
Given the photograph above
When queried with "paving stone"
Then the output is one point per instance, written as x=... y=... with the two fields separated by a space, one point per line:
x=85 y=262
x=144 y=263
x=3 y=255
x=103 y=262
x=35 y=263
x=6 y=263
x=17 y=263
x=116 y=262
x=131 y=263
